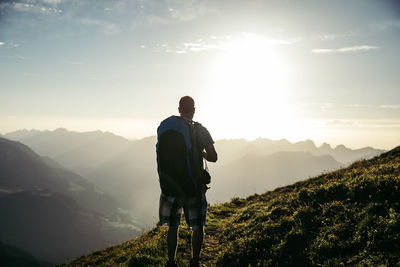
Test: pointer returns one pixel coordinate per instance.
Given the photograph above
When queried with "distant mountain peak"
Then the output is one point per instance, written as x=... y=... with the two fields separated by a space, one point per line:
x=61 y=130
x=325 y=146
x=340 y=147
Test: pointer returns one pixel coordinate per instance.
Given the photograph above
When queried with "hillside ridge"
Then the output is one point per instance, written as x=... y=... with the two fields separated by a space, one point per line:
x=345 y=217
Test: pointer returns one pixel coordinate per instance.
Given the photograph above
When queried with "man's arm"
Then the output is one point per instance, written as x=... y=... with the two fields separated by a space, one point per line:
x=210 y=154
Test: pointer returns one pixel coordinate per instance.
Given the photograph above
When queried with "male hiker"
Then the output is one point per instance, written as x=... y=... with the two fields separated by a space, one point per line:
x=181 y=146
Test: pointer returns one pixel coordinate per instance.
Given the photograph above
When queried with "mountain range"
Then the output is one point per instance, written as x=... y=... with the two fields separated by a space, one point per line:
x=126 y=169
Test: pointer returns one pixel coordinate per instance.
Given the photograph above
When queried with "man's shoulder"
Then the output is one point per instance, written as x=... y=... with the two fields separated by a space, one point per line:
x=199 y=127
x=203 y=134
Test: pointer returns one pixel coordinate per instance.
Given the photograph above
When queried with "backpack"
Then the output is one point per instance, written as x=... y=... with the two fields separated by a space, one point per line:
x=175 y=158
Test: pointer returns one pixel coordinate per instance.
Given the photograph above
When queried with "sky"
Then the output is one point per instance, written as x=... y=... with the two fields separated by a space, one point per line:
x=321 y=70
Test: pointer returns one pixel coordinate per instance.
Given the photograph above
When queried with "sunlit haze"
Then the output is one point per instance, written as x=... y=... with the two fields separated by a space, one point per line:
x=320 y=70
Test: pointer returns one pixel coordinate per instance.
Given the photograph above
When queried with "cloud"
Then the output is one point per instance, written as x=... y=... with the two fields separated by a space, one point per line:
x=356 y=48
x=106 y=26
x=363 y=123
x=327 y=105
x=390 y=106
x=9 y=45
x=383 y=106
x=220 y=43
x=198 y=45
x=163 y=12
x=334 y=36
x=52 y=1
x=189 y=10
x=29 y=7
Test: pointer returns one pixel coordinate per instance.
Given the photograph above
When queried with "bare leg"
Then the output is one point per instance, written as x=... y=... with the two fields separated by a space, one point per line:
x=172 y=242
x=197 y=242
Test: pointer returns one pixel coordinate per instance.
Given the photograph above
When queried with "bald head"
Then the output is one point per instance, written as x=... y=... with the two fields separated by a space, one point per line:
x=186 y=107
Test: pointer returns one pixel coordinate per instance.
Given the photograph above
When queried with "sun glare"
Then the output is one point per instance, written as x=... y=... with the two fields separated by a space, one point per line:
x=250 y=88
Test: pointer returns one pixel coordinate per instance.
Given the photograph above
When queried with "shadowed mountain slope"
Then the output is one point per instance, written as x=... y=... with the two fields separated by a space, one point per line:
x=52 y=213
x=80 y=152
x=346 y=217
x=23 y=169
x=49 y=225
x=14 y=257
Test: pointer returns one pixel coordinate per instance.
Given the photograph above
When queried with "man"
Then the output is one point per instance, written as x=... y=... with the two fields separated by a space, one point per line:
x=180 y=140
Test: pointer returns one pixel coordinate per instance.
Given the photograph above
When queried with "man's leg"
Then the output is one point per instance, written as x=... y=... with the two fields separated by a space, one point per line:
x=197 y=242
x=172 y=242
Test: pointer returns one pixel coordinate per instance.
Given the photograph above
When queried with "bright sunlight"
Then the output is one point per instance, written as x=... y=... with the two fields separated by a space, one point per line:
x=250 y=85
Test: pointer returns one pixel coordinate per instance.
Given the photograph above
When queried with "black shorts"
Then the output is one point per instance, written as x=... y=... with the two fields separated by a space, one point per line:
x=194 y=208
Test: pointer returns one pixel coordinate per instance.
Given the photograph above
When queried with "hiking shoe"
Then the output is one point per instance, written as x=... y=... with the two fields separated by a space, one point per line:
x=171 y=264
x=194 y=263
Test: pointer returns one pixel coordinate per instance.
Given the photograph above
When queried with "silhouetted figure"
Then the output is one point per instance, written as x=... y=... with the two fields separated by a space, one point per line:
x=181 y=146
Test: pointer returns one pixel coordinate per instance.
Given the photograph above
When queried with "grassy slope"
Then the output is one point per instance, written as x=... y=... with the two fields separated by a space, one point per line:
x=346 y=217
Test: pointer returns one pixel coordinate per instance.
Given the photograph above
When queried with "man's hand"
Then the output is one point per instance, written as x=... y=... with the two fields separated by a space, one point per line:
x=210 y=154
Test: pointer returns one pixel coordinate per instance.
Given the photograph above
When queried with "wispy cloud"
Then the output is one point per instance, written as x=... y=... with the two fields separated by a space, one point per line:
x=334 y=36
x=327 y=105
x=364 y=123
x=106 y=26
x=219 y=43
x=164 y=12
x=52 y=1
x=28 y=6
x=383 y=106
x=357 y=48
x=9 y=44
x=190 y=10
x=390 y=106
x=195 y=46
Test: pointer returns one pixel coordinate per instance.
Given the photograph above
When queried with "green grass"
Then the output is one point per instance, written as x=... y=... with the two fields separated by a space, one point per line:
x=347 y=217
